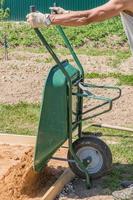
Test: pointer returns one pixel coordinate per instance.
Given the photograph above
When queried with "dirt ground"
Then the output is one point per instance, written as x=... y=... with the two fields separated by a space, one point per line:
x=77 y=190
x=22 y=79
x=24 y=74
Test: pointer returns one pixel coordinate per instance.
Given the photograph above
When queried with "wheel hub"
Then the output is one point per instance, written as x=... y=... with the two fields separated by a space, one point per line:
x=87 y=161
x=91 y=158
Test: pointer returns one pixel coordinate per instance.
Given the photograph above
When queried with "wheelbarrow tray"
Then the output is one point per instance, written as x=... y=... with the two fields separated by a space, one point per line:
x=53 y=123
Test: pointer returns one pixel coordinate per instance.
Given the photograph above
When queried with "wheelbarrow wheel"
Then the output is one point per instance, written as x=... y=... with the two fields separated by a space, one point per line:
x=94 y=151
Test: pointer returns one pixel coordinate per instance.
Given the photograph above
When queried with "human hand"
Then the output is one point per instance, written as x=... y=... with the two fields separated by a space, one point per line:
x=59 y=10
x=38 y=19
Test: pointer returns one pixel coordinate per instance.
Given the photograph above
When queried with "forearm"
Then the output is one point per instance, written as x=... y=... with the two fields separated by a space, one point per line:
x=79 y=18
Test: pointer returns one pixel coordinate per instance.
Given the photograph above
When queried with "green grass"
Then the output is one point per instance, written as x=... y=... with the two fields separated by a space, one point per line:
x=114 y=56
x=21 y=34
x=19 y=119
x=126 y=80
x=122 y=79
x=118 y=56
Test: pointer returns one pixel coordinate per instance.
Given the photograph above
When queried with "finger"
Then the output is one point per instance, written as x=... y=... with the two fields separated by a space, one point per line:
x=28 y=20
x=53 y=8
x=31 y=15
x=31 y=24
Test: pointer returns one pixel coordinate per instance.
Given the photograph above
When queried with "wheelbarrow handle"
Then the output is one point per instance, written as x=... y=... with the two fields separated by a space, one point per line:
x=32 y=8
x=48 y=47
x=66 y=41
x=69 y=46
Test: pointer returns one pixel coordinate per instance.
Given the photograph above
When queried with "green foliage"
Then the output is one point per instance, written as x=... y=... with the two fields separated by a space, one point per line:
x=123 y=79
x=126 y=80
x=19 y=119
x=20 y=34
x=4 y=12
x=118 y=57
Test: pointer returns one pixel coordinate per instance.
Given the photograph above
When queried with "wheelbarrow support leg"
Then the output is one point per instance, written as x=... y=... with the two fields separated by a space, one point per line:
x=80 y=164
x=78 y=161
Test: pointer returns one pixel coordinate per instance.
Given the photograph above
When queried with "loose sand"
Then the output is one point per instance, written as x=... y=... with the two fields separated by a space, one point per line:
x=17 y=178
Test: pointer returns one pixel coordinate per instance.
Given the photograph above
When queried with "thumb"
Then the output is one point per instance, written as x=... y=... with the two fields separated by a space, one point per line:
x=51 y=8
x=27 y=16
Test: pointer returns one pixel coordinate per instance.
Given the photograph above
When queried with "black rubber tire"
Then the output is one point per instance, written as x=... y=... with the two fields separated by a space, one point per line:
x=100 y=146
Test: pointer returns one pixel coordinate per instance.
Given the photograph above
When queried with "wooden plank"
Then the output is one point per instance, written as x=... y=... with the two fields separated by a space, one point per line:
x=113 y=127
x=57 y=187
x=23 y=140
x=17 y=139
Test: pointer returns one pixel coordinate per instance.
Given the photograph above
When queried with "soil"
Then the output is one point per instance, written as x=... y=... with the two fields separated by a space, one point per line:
x=10 y=155
x=122 y=110
x=22 y=79
x=24 y=74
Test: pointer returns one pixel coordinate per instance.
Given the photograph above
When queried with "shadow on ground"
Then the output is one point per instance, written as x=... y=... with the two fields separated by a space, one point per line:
x=103 y=186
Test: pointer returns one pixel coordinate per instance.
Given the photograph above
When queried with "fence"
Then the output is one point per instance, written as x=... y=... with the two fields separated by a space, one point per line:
x=19 y=8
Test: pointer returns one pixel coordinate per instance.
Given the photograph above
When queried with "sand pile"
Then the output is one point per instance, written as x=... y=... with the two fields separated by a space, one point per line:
x=21 y=182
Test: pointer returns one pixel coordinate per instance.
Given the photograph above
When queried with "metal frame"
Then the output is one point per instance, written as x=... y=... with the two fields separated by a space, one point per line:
x=82 y=92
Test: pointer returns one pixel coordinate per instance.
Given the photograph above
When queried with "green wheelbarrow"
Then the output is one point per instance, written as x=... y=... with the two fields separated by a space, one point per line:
x=62 y=114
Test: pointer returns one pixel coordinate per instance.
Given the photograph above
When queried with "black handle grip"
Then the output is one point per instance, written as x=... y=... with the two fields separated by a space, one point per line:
x=32 y=8
x=54 y=12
